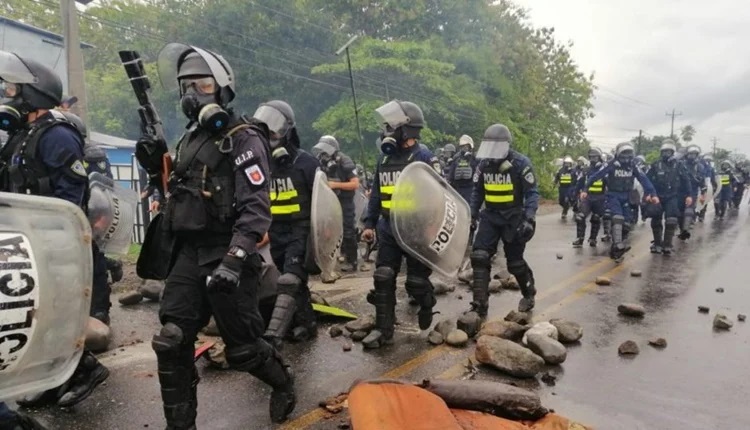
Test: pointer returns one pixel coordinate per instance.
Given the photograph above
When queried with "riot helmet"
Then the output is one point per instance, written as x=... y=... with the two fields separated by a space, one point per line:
x=667 y=149
x=26 y=86
x=693 y=152
x=326 y=148
x=726 y=166
x=582 y=161
x=708 y=159
x=279 y=117
x=439 y=152
x=625 y=152
x=466 y=143
x=205 y=81
x=640 y=160
x=449 y=150
x=495 y=143
x=568 y=161
x=595 y=155
x=399 y=121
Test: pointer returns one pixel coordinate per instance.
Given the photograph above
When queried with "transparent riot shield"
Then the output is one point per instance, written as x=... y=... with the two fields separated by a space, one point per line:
x=111 y=212
x=326 y=224
x=360 y=207
x=45 y=292
x=429 y=219
x=710 y=193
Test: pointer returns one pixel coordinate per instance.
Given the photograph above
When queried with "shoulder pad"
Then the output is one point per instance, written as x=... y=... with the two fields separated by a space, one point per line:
x=92 y=152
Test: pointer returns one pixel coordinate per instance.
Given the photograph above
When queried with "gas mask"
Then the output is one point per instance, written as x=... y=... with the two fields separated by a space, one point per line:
x=13 y=112
x=390 y=141
x=281 y=156
x=666 y=155
x=201 y=106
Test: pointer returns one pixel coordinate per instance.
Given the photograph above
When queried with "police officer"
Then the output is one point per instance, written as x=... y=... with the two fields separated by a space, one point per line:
x=697 y=175
x=707 y=161
x=565 y=179
x=739 y=189
x=449 y=151
x=218 y=210
x=401 y=123
x=728 y=184
x=461 y=168
x=293 y=172
x=594 y=204
x=344 y=181
x=672 y=183
x=505 y=183
x=44 y=156
x=620 y=175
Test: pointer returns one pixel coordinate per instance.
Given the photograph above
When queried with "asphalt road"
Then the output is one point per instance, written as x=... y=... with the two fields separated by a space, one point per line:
x=700 y=381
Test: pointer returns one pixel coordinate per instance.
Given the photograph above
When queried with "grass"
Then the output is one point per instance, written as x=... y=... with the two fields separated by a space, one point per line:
x=133 y=252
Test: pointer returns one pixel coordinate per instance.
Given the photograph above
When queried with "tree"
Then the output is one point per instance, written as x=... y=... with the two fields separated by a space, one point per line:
x=687 y=133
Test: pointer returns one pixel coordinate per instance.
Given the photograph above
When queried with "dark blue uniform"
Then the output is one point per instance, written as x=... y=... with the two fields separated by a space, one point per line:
x=390 y=255
x=673 y=185
x=709 y=173
x=343 y=169
x=509 y=191
x=696 y=172
x=565 y=178
x=593 y=204
x=461 y=173
x=728 y=184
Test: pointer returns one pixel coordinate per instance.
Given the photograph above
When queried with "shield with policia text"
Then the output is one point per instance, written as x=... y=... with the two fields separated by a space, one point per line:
x=111 y=211
x=430 y=220
x=45 y=292
x=326 y=224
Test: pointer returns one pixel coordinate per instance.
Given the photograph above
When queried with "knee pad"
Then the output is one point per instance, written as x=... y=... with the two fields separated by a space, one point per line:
x=384 y=274
x=518 y=268
x=170 y=340
x=250 y=356
x=418 y=287
x=595 y=219
x=480 y=258
x=671 y=221
x=618 y=219
x=580 y=217
x=288 y=283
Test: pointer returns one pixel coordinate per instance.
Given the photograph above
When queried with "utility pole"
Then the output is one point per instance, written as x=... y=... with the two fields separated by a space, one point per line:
x=354 y=98
x=640 y=137
x=673 y=114
x=714 y=140
x=74 y=56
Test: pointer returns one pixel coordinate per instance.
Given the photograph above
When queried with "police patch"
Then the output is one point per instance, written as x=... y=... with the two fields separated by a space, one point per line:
x=78 y=168
x=476 y=176
x=102 y=165
x=530 y=178
x=437 y=168
x=255 y=175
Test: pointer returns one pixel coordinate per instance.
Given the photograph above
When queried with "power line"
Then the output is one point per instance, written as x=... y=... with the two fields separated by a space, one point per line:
x=603 y=88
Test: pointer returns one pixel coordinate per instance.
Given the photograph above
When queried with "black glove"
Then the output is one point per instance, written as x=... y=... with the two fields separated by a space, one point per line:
x=526 y=230
x=149 y=153
x=226 y=277
x=473 y=226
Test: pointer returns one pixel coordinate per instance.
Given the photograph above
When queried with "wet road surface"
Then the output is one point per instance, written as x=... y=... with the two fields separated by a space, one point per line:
x=700 y=381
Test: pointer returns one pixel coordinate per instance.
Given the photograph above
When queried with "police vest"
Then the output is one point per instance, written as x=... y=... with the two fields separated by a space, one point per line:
x=201 y=187
x=666 y=177
x=597 y=187
x=290 y=193
x=27 y=174
x=566 y=179
x=620 y=179
x=502 y=190
x=463 y=171
x=390 y=169
x=725 y=180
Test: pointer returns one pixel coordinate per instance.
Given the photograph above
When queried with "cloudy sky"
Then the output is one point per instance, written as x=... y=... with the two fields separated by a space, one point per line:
x=651 y=56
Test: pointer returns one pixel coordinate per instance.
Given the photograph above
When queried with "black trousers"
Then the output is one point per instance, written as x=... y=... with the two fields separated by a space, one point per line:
x=349 y=243
x=101 y=289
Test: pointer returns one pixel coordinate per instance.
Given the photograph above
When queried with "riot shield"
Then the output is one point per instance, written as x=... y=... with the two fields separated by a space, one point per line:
x=710 y=193
x=326 y=224
x=111 y=212
x=429 y=219
x=360 y=207
x=45 y=292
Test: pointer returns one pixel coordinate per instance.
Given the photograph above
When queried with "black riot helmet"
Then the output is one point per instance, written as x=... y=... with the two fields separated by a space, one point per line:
x=326 y=148
x=278 y=116
x=399 y=121
x=625 y=152
x=449 y=150
x=26 y=86
x=595 y=155
x=495 y=143
x=205 y=81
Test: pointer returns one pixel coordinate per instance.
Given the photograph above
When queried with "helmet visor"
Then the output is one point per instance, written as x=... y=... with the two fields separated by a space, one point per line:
x=205 y=85
x=391 y=114
x=323 y=148
x=273 y=118
x=493 y=150
x=169 y=59
x=9 y=90
x=13 y=70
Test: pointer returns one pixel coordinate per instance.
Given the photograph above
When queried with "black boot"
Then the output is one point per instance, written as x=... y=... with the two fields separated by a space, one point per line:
x=578 y=243
x=384 y=299
x=525 y=278
x=281 y=320
x=594 y=233
x=87 y=376
x=481 y=265
x=178 y=378
x=658 y=232
x=669 y=231
x=305 y=322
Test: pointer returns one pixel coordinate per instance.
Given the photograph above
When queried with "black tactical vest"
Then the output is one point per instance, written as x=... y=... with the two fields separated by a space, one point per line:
x=390 y=169
x=503 y=185
x=666 y=177
x=620 y=179
x=463 y=173
x=201 y=186
x=290 y=193
x=26 y=173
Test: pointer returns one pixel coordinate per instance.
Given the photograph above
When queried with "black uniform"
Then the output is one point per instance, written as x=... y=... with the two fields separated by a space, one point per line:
x=343 y=169
x=672 y=184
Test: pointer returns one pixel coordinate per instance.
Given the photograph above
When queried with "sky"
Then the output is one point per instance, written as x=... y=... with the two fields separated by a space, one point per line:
x=649 y=57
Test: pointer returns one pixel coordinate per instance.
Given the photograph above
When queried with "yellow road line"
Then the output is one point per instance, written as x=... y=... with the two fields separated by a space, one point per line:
x=318 y=414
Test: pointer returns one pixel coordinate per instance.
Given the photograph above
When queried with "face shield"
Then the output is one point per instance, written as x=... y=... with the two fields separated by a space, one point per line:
x=275 y=120
x=391 y=115
x=172 y=54
x=14 y=71
x=203 y=86
x=493 y=150
x=323 y=151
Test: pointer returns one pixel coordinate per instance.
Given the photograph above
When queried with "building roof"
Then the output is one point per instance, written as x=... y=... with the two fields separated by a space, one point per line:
x=36 y=30
x=108 y=141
